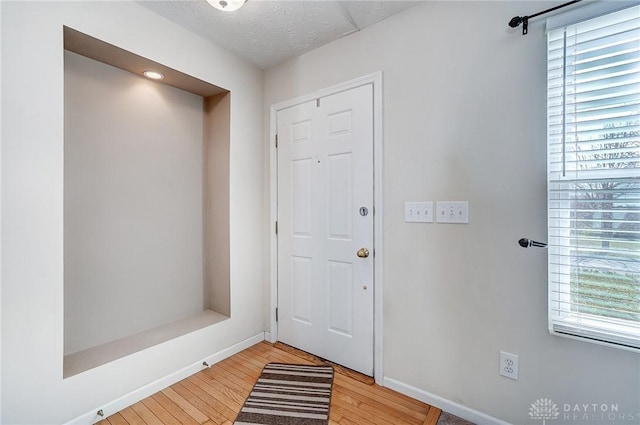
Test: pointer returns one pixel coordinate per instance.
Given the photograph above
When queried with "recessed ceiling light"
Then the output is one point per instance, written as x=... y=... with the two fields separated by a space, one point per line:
x=227 y=5
x=153 y=75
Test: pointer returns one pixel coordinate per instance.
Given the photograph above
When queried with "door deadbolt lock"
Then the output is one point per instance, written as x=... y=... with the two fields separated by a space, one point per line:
x=363 y=253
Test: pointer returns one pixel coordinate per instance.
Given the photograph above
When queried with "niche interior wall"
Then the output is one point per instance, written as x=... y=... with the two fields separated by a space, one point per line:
x=146 y=203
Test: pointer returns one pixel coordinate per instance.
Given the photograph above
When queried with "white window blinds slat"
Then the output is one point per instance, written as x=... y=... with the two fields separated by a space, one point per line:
x=593 y=118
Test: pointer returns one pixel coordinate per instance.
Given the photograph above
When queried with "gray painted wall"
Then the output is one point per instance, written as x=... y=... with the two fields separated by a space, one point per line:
x=464 y=119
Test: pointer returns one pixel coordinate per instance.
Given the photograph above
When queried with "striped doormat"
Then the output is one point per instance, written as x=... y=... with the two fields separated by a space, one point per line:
x=287 y=394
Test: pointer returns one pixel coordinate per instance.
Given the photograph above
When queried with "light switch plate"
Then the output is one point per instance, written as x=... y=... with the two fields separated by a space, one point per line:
x=418 y=212
x=456 y=212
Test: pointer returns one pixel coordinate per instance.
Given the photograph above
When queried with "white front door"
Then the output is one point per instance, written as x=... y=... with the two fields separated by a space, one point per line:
x=325 y=216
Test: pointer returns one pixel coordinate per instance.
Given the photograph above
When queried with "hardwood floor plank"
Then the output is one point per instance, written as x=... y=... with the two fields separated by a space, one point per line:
x=117 y=419
x=189 y=408
x=229 y=372
x=145 y=414
x=275 y=355
x=400 y=412
x=377 y=393
x=385 y=393
x=160 y=412
x=176 y=411
x=268 y=354
x=432 y=416
x=218 y=390
x=197 y=401
x=252 y=361
x=215 y=395
x=346 y=421
x=374 y=412
x=237 y=388
x=132 y=417
x=248 y=363
x=213 y=398
x=362 y=416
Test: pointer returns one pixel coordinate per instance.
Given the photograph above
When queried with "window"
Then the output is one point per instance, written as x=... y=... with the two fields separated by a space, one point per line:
x=594 y=178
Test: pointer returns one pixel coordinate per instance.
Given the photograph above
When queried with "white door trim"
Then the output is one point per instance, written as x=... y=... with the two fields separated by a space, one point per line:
x=376 y=80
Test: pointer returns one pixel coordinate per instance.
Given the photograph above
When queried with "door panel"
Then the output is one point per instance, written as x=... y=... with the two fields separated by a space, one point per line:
x=301 y=197
x=340 y=306
x=301 y=289
x=325 y=176
x=340 y=196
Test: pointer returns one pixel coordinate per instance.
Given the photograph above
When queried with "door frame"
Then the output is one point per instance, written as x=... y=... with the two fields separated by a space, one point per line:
x=376 y=80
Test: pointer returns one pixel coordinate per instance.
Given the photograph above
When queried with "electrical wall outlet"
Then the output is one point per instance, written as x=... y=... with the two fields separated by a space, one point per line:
x=509 y=365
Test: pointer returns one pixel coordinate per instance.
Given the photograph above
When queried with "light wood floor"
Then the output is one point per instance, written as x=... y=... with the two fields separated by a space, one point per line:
x=214 y=396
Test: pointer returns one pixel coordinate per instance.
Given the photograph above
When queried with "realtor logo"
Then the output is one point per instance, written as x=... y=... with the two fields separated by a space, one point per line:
x=544 y=409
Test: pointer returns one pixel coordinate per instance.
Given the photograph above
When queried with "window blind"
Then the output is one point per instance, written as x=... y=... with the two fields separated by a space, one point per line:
x=593 y=105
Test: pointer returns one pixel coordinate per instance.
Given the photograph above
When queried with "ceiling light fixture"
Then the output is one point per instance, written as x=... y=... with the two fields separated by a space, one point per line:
x=153 y=75
x=227 y=5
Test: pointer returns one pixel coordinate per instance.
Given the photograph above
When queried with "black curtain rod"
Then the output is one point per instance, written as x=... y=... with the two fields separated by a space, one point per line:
x=524 y=20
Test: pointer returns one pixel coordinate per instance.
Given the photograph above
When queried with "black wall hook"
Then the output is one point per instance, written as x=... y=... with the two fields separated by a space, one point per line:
x=526 y=243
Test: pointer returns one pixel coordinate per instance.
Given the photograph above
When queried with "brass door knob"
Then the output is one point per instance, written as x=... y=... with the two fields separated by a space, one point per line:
x=363 y=253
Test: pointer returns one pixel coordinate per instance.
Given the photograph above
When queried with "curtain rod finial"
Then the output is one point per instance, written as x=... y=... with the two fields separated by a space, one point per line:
x=515 y=21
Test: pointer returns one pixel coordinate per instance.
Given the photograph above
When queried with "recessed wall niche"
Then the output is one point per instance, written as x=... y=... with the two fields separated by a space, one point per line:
x=146 y=203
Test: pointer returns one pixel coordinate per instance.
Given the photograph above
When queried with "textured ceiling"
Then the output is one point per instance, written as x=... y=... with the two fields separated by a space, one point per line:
x=267 y=32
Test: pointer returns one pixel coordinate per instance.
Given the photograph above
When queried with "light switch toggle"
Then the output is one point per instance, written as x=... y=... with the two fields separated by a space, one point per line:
x=418 y=212
x=456 y=212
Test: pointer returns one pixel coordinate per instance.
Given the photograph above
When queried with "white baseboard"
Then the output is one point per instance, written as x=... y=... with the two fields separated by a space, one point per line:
x=449 y=406
x=268 y=337
x=152 y=388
